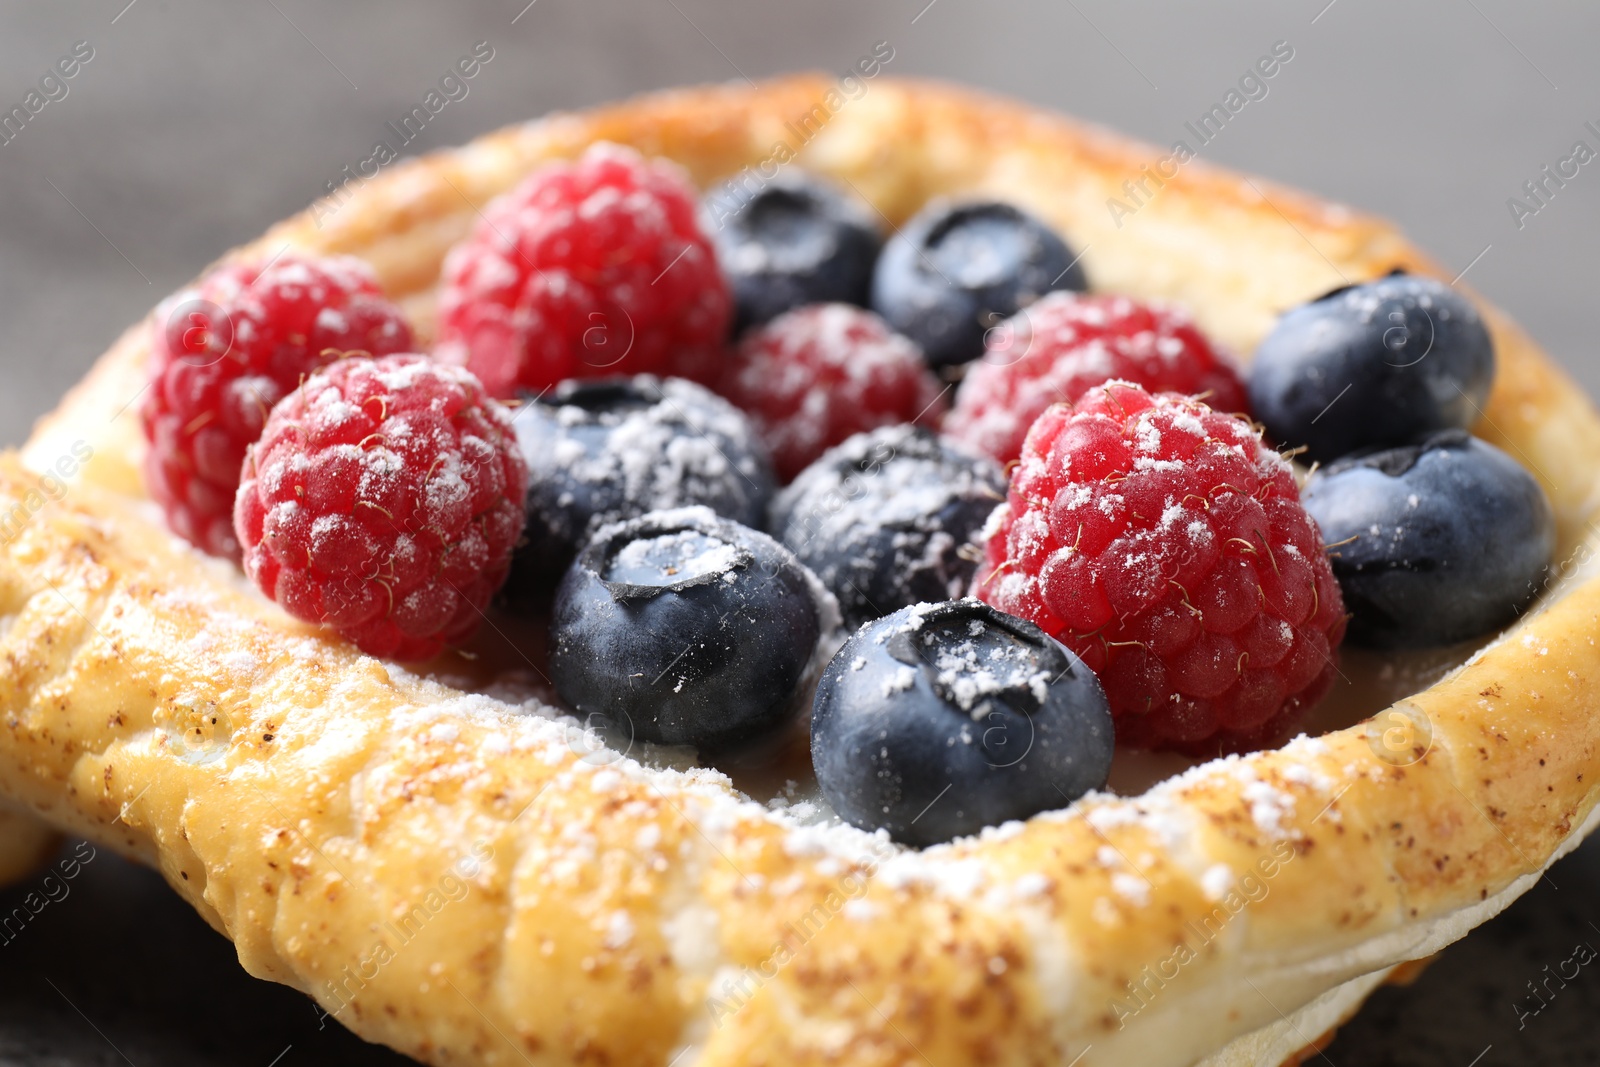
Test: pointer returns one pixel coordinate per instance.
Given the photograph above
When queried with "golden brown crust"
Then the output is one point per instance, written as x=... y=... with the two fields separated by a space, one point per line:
x=620 y=915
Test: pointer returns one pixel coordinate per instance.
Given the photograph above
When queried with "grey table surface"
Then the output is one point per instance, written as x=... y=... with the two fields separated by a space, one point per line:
x=195 y=125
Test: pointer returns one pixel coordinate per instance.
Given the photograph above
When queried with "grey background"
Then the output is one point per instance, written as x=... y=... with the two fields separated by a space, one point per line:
x=197 y=125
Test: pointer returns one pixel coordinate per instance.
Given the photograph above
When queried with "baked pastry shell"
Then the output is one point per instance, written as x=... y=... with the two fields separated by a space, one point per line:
x=456 y=877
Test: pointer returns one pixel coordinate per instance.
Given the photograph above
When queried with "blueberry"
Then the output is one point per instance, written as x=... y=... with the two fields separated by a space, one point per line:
x=1448 y=539
x=604 y=450
x=887 y=518
x=956 y=270
x=1371 y=366
x=941 y=719
x=797 y=241
x=683 y=628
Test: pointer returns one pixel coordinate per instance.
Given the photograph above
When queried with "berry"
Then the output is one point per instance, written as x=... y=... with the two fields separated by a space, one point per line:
x=1372 y=366
x=384 y=499
x=1166 y=544
x=889 y=518
x=224 y=352
x=606 y=450
x=1067 y=343
x=813 y=376
x=797 y=241
x=683 y=628
x=942 y=719
x=587 y=269
x=1435 y=542
x=956 y=270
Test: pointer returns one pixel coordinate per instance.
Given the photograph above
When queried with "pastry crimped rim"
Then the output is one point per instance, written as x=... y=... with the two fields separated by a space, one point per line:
x=499 y=894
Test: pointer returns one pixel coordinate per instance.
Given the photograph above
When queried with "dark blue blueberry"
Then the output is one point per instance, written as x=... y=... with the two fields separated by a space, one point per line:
x=1447 y=540
x=605 y=450
x=887 y=519
x=683 y=628
x=956 y=270
x=942 y=719
x=797 y=241
x=1371 y=366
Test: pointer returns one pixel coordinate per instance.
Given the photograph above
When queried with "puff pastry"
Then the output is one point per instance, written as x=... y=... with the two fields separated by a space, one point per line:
x=456 y=878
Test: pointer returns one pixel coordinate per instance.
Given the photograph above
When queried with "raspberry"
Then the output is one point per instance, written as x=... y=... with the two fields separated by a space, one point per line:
x=384 y=499
x=1167 y=546
x=816 y=375
x=588 y=269
x=1067 y=343
x=223 y=353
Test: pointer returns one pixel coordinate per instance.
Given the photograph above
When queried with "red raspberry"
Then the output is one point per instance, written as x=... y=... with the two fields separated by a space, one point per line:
x=1167 y=546
x=223 y=353
x=587 y=269
x=1067 y=343
x=384 y=499
x=816 y=375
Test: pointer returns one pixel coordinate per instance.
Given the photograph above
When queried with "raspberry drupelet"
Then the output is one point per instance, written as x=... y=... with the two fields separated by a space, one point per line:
x=816 y=375
x=588 y=269
x=1065 y=344
x=384 y=499
x=1167 y=546
x=223 y=353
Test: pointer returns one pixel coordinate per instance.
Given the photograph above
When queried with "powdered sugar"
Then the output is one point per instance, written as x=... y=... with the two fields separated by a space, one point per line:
x=683 y=554
x=1132 y=888
x=600 y=456
x=974 y=671
x=900 y=681
x=884 y=518
x=1216 y=881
